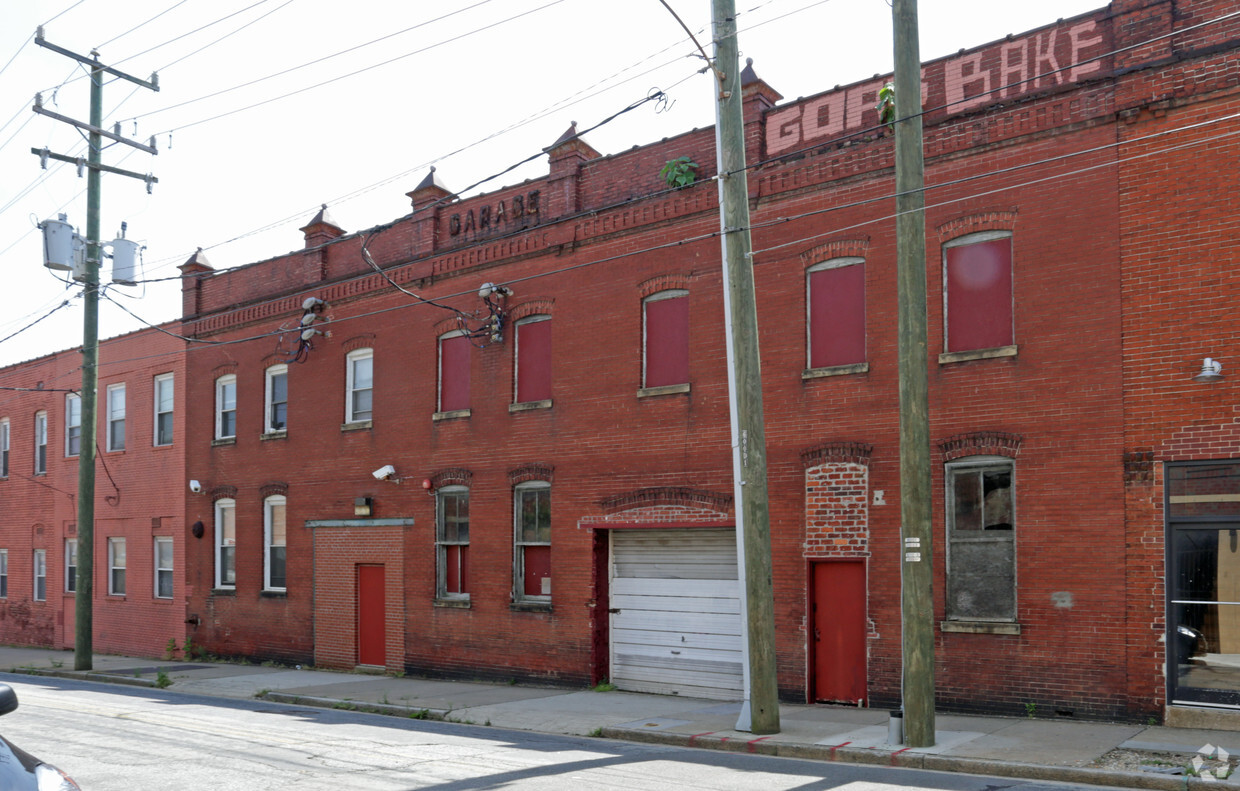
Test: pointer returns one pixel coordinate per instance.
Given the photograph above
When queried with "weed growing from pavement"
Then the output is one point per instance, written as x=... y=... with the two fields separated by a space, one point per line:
x=162 y=680
x=603 y=686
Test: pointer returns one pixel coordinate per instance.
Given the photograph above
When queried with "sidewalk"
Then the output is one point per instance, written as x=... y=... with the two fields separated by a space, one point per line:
x=1041 y=749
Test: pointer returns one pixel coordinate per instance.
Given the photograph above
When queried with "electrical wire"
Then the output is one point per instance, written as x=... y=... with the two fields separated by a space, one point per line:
x=141 y=25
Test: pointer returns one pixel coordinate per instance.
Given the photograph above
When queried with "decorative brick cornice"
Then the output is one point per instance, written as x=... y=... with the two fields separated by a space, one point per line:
x=531 y=472
x=362 y=341
x=274 y=488
x=980 y=443
x=667 y=495
x=663 y=283
x=452 y=476
x=531 y=307
x=840 y=248
x=855 y=452
x=1139 y=467
x=999 y=220
x=224 y=492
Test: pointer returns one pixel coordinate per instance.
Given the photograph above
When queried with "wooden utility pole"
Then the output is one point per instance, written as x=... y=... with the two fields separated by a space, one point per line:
x=83 y=635
x=761 y=711
x=916 y=552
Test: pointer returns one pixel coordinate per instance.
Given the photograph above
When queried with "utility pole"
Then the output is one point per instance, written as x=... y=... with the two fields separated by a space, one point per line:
x=917 y=606
x=760 y=713
x=83 y=642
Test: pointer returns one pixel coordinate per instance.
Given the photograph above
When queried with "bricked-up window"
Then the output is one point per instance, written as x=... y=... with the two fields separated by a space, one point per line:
x=452 y=542
x=70 y=565
x=533 y=359
x=533 y=542
x=40 y=443
x=73 y=424
x=163 y=409
x=276 y=399
x=116 y=417
x=977 y=291
x=359 y=389
x=666 y=338
x=40 y=575
x=4 y=448
x=454 y=354
x=226 y=407
x=274 y=543
x=225 y=543
x=116 y=566
x=4 y=574
x=981 y=540
x=836 y=305
x=163 y=568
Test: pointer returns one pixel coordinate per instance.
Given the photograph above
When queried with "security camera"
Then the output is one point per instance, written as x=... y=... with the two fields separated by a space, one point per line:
x=384 y=472
x=195 y=487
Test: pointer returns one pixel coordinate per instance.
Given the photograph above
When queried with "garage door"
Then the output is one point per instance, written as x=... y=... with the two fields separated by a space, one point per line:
x=675 y=613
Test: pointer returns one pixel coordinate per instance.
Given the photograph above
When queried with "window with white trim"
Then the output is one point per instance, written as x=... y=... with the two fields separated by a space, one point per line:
x=163 y=567
x=225 y=543
x=275 y=543
x=665 y=333
x=452 y=542
x=226 y=407
x=40 y=443
x=359 y=387
x=977 y=292
x=4 y=448
x=71 y=565
x=835 y=302
x=532 y=555
x=40 y=575
x=4 y=574
x=116 y=417
x=164 y=402
x=981 y=540
x=276 y=399
x=116 y=566
x=73 y=424
x=532 y=360
x=455 y=351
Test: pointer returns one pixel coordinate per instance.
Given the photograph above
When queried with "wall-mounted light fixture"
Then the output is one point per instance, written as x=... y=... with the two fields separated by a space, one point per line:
x=195 y=487
x=362 y=506
x=385 y=473
x=1211 y=371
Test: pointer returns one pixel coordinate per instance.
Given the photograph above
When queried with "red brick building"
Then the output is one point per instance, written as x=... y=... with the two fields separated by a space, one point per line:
x=490 y=438
x=139 y=537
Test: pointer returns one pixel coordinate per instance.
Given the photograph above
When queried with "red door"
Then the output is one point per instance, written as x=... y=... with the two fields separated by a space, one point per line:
x=839 y=632
x=371 y=631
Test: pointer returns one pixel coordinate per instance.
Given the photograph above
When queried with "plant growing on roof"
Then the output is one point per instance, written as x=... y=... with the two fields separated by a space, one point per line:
x=679 y=172
x=887 y=105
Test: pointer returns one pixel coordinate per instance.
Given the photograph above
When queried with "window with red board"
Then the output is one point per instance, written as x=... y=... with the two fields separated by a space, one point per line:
x=452 y=542
x=836 y=312
x=454 y=354
x=532 y=506
x=977 y=292
x=533 y=359
x=665 y=325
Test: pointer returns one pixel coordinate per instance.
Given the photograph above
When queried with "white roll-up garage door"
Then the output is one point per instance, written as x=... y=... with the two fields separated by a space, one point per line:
x=675 y=620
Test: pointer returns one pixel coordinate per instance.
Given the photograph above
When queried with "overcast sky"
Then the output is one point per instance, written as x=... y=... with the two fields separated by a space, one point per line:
x=269 y=108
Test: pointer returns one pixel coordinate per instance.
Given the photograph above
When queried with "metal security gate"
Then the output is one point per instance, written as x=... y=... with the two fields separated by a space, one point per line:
x=675 y=613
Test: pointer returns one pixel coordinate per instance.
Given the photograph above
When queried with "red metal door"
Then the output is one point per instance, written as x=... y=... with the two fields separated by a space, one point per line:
x=371 y=631
x=839 y=632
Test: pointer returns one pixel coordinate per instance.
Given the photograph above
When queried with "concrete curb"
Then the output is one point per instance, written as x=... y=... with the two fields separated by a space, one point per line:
x=88 y=675
x=388 y=709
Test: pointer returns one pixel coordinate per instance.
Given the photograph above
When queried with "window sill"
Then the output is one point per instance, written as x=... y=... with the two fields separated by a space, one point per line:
x=530 y=606
x=280 y=434
x=977 y=354
x=979 y=627
x=223 y=591
x=648 y=392
x=451 y=414
x=216 y=443
x=357 y=425
x=835 y=370
x=529 y=406
x=458 y=604
x=165 y=446
x=280 y=593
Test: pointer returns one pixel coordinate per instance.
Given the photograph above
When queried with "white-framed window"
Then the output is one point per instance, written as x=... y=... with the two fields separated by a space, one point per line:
x=532 y=360
x=4 y=448
x=40 y=443
x=275 y=543
x=4 y=574
x=276 y=399
x=532 y=542
x=116 y=417
x=835 y=312
x=73 y=424
x=116 y=567
x=70 y=565
x=665 y=342
x=452 y=542
x=40 y=575
x=163 y=567
x=978 y=307
x=164 y=402
x=981 y=539
x=226 y=407
x=225 y=543
x=359 y=389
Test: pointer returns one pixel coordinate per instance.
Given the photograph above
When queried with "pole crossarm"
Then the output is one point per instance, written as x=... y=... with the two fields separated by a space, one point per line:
x=94 y=63
x=44 y=153
x=41 y=110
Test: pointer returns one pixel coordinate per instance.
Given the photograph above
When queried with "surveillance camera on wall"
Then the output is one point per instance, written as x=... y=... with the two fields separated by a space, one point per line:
x=384 y=472
x=195 y=487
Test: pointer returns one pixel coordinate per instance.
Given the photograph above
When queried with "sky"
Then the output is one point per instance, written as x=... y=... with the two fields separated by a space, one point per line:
x=268 y=109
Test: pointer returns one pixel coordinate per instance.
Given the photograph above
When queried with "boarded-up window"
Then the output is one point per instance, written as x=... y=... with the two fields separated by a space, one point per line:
x=836 y=312
x=666 y=320
x=977 y=275
x=454 y=372
x=981 y=541
x=534 y=359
